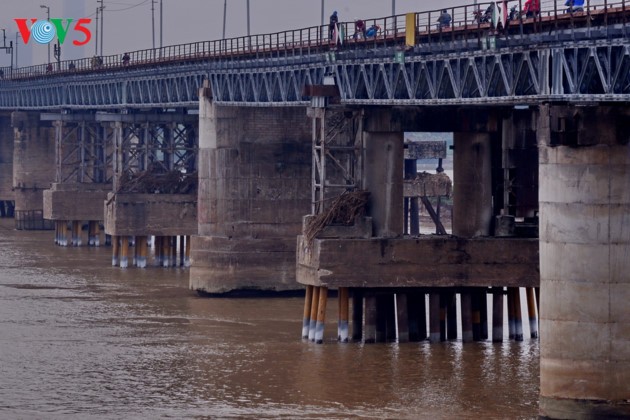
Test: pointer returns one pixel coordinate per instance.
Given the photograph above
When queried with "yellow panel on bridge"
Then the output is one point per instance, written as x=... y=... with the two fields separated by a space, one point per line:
x=410 y=29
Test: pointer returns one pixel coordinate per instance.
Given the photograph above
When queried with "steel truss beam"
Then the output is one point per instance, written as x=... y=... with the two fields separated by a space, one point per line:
x=578 y=71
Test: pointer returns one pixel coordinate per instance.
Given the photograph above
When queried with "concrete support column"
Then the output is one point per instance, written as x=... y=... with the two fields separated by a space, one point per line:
x=33 y=169
x=584 y=266
x=254 y=188
x=6 y=164
x=472 y=185
x=383 y=178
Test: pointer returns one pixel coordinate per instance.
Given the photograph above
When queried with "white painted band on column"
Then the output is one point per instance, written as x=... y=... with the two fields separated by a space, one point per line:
x=518 y=330
x=533 y=327
x=311 y=329
x=142 y=262
x=124 y=262
x=343 y=331
x=305 y=327
x=319 y=333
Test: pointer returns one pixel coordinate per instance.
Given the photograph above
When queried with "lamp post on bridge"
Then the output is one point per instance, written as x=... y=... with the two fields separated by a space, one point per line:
x=322 y=24
x=224 y=15
x=249 y=40
x=161 y=20
x=9 y=49
x=43 y=6
x=16 y=49
x=102 y=9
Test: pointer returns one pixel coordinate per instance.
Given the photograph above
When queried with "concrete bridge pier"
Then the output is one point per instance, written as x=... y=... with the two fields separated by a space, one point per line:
x=254 y=188
x=584 y=262
x=33 y=168
x=378 y=264
x=82 y=178
x=154 y=186
x=7 y=196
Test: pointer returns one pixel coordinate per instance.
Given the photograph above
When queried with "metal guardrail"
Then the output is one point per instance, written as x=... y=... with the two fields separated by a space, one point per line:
x=316 y=38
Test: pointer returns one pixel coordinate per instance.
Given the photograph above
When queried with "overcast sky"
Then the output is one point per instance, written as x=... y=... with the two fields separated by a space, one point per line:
x=127 y=24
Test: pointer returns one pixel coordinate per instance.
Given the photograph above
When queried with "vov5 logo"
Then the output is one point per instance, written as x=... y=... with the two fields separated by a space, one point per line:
x=44 y=32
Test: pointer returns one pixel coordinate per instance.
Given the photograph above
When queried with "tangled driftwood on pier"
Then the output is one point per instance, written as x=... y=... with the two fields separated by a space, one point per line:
x=157 y=181
x=343 y=211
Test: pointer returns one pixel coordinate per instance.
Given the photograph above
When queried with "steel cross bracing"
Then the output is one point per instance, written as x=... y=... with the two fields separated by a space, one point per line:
x=151 y=146
x=83 y=152
x=584 y=71
x=337 y=152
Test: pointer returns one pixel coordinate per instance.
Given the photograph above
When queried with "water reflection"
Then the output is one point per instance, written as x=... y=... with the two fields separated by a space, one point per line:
x=80 y=339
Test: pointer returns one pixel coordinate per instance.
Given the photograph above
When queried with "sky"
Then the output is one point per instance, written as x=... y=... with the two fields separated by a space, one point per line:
x=127 y=24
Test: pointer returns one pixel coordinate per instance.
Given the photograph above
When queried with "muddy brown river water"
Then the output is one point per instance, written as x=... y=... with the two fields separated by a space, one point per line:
x=81 y=339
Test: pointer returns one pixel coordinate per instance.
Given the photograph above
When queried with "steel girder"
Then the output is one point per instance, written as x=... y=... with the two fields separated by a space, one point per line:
x=581 y=71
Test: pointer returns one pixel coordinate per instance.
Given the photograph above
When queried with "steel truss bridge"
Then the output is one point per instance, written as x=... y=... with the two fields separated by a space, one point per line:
x=580 y=57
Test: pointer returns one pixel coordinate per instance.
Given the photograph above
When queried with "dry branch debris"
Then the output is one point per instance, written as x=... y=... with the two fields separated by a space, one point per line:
x=343 y=211
x=159 y=181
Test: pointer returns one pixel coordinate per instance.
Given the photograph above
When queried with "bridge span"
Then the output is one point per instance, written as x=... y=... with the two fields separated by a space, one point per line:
x=578 y=57
x=220 y=148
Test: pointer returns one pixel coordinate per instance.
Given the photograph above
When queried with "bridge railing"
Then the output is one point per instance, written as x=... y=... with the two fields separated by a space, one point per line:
x=318 y=38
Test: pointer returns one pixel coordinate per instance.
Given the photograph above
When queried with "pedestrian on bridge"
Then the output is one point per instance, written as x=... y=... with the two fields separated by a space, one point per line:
x=332 y=26
x=373 y=31
x=574 y=6
x=97 y=62
x=125 y=59
x=359 y=29
x=532 y=8
x=444 y=21
x=49 y=68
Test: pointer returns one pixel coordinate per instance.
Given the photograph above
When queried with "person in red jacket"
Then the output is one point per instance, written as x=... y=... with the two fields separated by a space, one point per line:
x=531 y=8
